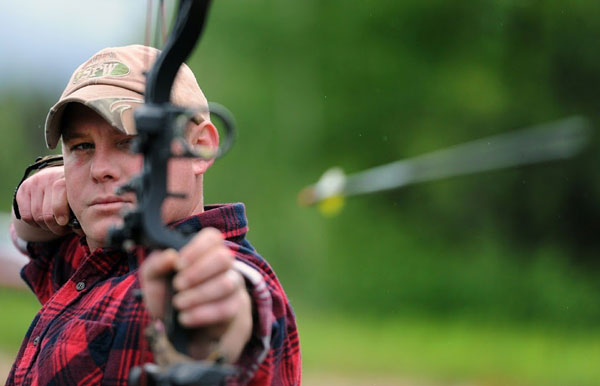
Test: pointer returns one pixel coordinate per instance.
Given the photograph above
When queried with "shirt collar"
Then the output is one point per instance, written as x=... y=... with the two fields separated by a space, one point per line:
x=230 y=219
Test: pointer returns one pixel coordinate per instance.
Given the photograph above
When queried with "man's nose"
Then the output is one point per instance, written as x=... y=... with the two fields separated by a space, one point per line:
x=105 y=165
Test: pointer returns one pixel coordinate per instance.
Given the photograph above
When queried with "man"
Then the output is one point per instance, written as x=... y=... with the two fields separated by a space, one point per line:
x=90 y=329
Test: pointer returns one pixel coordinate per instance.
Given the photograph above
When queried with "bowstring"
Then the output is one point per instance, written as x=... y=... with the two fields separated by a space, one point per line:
x=157 y=27
x=148 y=29
x=163 y=22
x=160 y=27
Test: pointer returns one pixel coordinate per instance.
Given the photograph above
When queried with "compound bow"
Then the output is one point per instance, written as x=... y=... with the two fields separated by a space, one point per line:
x=157 y=123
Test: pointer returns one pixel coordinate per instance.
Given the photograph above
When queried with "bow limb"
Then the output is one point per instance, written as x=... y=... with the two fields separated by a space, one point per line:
x=190 y=21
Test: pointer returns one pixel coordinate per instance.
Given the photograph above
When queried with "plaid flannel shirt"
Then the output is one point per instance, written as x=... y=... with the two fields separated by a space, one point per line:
x=90 y=327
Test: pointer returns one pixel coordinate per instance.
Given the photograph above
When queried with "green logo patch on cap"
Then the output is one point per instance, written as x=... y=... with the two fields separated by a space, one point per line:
x=99 y=70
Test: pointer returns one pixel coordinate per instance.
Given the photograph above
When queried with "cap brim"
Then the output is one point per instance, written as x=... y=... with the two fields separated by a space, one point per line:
x=114 y=104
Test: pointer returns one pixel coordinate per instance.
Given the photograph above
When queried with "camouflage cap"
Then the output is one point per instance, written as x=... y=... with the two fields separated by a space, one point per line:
x=112 y=83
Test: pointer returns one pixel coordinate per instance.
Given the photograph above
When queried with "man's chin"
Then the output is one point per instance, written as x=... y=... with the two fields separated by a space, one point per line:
x=99 y=228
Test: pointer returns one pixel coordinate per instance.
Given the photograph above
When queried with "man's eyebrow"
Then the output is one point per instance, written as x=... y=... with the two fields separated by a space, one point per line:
x=69 y=134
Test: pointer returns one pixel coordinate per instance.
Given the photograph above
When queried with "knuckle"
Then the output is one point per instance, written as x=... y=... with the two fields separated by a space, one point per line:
x=59 y=183
x=211 y=235
x=213 y=232
x=226 y=257
x=38 y=217
x=228 y=283
x=22 y=193
x=52 y=172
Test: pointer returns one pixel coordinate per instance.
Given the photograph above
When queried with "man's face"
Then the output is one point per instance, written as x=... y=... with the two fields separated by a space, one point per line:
x=98 y=161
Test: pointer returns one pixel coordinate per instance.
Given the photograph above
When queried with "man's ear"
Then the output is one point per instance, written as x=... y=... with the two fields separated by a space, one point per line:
x=203 y=138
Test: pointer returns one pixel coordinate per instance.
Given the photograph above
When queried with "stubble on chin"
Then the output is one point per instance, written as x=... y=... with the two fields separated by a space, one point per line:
x=96 y=228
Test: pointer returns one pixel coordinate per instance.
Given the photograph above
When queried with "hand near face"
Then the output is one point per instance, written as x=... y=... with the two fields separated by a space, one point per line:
x=42 y=201
x=210 y=294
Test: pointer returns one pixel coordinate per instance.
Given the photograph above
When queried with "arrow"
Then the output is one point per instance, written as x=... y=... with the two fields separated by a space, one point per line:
x=551 y=141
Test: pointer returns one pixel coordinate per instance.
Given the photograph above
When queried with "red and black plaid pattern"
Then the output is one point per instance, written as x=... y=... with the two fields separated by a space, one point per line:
x=90 y=327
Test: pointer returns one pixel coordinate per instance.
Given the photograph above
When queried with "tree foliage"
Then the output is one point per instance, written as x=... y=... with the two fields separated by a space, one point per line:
x=358 y=84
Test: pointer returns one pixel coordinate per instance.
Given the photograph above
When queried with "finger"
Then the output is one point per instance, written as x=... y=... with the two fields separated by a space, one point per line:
x=158 y=265
x=60 y=205
x=218 y=287
x=153 y=279
x=24 y=204
x=214 y=262
x=205 y=240
x=48 y=215
x=37 y=208
x=220 y=311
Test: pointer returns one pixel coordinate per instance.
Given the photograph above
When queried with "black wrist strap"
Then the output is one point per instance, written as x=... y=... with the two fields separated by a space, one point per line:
x=39 y=164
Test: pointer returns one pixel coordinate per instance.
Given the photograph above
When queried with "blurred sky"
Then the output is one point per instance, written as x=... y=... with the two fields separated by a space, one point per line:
x=43 y=41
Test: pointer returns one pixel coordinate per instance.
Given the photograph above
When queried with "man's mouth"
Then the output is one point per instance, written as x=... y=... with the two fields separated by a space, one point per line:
x=107 y=202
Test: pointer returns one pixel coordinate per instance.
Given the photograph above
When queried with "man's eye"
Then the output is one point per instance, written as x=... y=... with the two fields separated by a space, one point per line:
x=82 y=146
x=126 y=143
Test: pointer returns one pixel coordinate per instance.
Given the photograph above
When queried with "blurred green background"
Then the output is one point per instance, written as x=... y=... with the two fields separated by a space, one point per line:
x=488 y=279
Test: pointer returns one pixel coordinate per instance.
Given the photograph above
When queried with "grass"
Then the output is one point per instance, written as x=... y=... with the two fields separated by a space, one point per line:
x=18 y=307
x=450 y=351
x=418 y=347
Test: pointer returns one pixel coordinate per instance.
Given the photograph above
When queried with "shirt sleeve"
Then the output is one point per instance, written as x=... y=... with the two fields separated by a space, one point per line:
x=272 y=356
x=45 y=273
x=19 y=243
